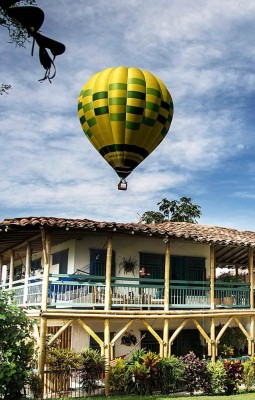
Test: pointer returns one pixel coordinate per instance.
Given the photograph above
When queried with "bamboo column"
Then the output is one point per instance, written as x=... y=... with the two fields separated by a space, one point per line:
x=11 y=268
x=42 y=352
x=212 y=275
x=27 y=272
x=251 y=276
x=252 y=336
x=46 y=244
x=166 y=299
x=108 y=274
x=165 y=337
x=107 y=354
x=213 y=347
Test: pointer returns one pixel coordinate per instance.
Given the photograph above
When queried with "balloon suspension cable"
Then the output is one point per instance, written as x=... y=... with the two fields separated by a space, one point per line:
x=122 y=185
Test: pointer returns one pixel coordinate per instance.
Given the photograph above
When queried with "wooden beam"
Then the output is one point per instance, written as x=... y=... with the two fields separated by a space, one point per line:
x=251 y=275
x=120 y=333
x=107 y=354
x=91 y=333
x=175 y=334
x=165 y=337
x=242 y=328
x=154 y=333
x=46 y=242
x=212 y=276
x=212 y=347
x=251 y=342
x=58 y=333
x=167 y=277
x=108 y=274
x=27 y=272
x=11 y=274
x=201 y=330
x=42 y=351
x=223 y=329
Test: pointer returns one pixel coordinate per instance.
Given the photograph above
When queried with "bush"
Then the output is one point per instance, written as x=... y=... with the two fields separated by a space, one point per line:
x=170 y=374
x=195 y=373
x=117 y=376
x=234 y=370
x=63 y=360
x=141 y=374
x=93 y=365
x=16 y=348
x=217 y=376
x=249 y=373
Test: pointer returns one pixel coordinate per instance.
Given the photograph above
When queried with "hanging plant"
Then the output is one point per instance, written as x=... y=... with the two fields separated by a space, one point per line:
x=128 y=265
x=128 y=339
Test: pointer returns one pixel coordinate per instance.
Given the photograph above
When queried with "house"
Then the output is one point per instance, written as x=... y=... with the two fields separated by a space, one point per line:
x=88 y=283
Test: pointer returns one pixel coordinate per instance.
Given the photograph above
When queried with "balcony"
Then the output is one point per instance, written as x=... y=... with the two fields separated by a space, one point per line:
x=88 y=292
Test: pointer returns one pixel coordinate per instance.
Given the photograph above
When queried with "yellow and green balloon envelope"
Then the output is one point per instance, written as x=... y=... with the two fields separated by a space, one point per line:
x=125 y=113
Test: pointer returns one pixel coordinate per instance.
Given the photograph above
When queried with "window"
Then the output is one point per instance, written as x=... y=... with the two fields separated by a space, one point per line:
x=98 y=262
x=61 y=258
x=154 y=264
x=188 y=268
x=182 y=267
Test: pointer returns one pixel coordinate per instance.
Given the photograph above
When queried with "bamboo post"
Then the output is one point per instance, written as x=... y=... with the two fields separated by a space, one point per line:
x=212 y=276
x=165 y=337
x=213 y=344
x=107 y=306
x=11 y=268
x=27 y=272
x=167 y=277
x=107 y=354
x=251 y=275
x=42 y=352
x=252 y=336
x=46 y=243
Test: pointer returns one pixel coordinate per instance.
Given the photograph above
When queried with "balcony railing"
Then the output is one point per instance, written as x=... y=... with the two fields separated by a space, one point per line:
x=88 y=291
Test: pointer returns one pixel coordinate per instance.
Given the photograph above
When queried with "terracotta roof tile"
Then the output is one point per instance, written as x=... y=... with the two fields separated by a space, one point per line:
x=181 y=230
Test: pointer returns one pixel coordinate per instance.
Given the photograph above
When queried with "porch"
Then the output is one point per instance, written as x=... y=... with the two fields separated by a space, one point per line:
x=88 y=291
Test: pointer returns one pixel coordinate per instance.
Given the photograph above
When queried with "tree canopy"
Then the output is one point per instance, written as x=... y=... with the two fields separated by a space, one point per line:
x=16 y=348
x=181 y=210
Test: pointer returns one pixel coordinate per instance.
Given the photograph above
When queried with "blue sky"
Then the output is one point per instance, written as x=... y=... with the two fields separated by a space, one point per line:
x=205 y=54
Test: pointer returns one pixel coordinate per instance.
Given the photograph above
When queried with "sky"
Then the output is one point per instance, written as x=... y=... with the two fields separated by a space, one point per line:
x=205 y=54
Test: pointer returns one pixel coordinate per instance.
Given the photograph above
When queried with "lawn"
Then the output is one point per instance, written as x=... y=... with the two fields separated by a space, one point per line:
x=241 y=396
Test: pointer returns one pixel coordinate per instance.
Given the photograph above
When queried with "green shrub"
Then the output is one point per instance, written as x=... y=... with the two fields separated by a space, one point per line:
x=217 y=376
x=249 y=373
x=141 y=373
x=117 y=376
x=170 y=374
x=63 y=360
x=93 y=365
x=16 y=348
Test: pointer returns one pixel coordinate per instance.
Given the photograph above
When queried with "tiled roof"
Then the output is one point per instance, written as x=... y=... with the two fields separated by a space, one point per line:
x=173 y=230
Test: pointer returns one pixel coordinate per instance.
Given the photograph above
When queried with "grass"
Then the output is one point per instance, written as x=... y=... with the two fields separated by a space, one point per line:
x=241 y=396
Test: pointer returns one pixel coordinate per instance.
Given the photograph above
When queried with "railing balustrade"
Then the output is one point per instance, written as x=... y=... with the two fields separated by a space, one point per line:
x=88 y=291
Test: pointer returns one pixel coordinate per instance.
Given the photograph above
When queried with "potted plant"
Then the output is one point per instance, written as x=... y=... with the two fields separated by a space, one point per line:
x=128 y=338
x=128 y=265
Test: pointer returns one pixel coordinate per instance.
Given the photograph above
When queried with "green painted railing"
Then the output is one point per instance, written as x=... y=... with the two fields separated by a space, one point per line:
x=88 y=291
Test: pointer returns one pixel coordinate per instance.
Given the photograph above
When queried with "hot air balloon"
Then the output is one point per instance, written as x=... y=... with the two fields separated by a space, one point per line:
x=125 y=113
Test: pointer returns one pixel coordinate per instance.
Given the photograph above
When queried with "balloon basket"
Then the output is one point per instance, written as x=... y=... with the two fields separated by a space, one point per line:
x=122 y=185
